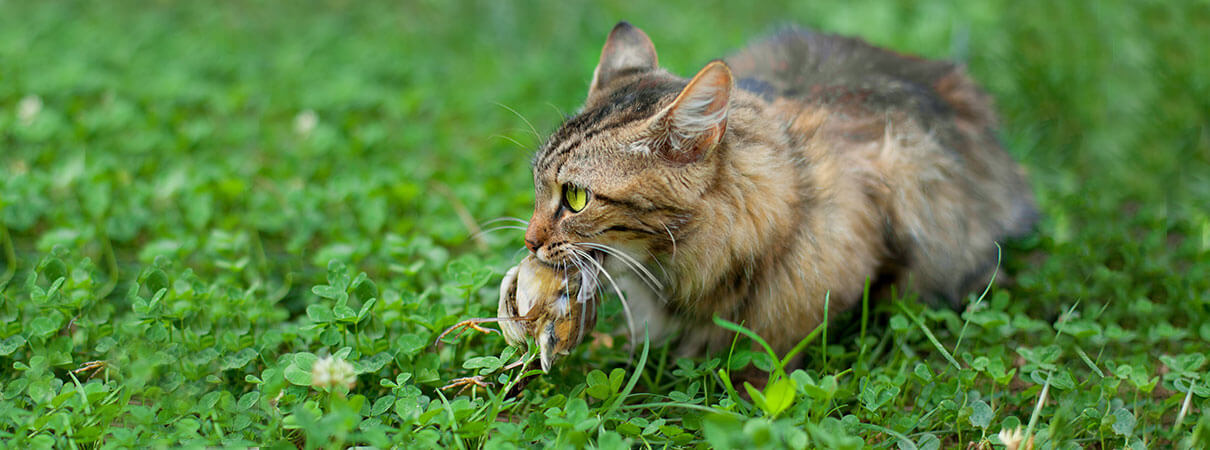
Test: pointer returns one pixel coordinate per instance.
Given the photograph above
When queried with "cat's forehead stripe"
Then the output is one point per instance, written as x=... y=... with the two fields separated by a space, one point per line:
x=582 y=128
x=558 y=149
x=634 y=101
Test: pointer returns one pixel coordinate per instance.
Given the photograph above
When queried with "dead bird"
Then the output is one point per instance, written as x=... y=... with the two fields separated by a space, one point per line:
x=554 y=306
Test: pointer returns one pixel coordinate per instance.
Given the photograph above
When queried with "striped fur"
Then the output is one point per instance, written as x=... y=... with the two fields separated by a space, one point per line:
x=796 y=170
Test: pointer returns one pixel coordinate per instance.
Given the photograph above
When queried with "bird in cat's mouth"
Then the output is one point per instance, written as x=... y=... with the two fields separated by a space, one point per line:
x=555 y=304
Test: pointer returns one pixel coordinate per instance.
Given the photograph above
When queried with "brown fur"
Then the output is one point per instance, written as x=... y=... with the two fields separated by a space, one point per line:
x=831 y=162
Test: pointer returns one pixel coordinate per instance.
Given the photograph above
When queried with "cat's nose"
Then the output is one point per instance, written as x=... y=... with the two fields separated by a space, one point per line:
x=536 y=234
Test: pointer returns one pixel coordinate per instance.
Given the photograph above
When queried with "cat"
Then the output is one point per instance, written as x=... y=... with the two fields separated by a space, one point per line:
x=792 y=172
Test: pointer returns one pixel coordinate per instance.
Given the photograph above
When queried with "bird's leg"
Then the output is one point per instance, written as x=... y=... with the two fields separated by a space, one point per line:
x=95 y=366
x=466 y=383
x=468 y=324
x=473 y=324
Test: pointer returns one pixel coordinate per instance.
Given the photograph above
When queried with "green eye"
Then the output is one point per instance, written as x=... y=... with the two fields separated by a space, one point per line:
x=575 y=197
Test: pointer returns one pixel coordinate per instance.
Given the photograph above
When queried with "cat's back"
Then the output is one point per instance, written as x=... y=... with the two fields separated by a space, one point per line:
x=810 y=66
x=914 y=136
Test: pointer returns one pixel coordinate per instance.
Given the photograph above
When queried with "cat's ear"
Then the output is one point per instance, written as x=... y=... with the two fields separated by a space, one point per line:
x=697 y=119
x=627 y=50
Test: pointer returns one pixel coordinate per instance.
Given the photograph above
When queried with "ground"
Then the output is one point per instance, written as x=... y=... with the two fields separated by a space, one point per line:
x=200 y=200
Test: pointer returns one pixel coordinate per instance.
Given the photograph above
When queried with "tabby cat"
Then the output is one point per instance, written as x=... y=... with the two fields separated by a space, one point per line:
x=793 y=171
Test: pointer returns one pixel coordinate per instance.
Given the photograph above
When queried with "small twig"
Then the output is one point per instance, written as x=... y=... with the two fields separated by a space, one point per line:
x=463 y=214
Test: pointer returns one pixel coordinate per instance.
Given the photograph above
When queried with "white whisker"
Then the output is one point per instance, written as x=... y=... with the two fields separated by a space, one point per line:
x=502 y=227
x=640 y=272
x=617 y=290
x=520 y=250
x=557 y=110
x=673 y=238
x=586 y=275
x=638 y=268
x=505 y=219
x=514 y=141
x=527 y=122
x=660 y=265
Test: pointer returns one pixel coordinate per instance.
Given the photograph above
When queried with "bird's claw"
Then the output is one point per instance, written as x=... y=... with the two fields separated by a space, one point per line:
x=468 y=324
x=95 y=366
x=465 y=383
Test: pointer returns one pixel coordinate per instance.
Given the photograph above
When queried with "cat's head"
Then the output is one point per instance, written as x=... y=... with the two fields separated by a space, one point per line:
x=629 y=168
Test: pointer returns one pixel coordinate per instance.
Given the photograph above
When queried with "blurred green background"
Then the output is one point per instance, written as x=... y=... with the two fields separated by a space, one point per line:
x=239 y=147
x=178 y=116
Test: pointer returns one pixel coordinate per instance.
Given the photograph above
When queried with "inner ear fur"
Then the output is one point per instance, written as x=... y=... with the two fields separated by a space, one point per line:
x=686 y=130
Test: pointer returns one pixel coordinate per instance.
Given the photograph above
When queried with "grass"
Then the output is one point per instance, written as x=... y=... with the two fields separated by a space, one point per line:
x=208 y=197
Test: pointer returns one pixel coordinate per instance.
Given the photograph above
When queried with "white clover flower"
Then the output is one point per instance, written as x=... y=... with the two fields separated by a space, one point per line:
x=1012 y=439
x=305 y=122
x=329 y=372
x=28 y=109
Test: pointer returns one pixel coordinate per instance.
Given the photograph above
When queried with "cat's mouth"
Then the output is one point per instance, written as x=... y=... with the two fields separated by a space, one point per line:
x=587 y=260
x=611 y=262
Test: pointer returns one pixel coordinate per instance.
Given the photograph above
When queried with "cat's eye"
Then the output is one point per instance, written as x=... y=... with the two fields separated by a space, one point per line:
x=575 y=197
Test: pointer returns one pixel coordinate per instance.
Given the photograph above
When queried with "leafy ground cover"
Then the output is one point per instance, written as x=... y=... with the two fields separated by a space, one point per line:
x=199 y=201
